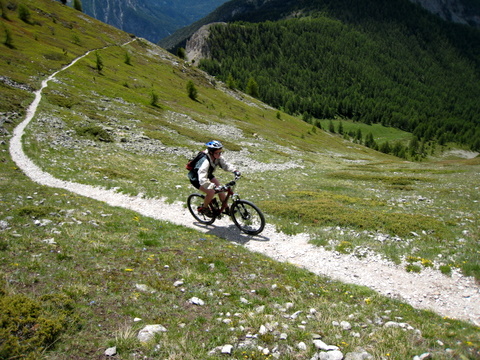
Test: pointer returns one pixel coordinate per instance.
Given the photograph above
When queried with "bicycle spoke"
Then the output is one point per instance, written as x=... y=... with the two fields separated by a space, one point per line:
x=247 y=217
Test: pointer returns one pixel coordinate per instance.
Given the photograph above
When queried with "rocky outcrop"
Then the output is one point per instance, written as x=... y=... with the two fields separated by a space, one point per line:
x=197 y=47
x=452 y=10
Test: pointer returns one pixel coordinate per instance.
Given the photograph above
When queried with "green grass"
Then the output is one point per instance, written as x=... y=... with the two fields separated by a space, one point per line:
x=99 y=254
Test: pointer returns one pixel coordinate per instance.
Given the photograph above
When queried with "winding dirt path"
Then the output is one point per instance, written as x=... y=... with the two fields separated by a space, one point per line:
x=456 y=296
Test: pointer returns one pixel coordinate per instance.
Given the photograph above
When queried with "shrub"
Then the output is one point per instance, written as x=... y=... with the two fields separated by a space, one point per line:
x=24 y=14
x=28 y=327
x=8 y=39
x=128 y=58
x=98 y=62
x=192 y=90
x=154 y=99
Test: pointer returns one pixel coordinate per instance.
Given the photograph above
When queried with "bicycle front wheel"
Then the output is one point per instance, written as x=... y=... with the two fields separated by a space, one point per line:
x=195 y=201
x=247 y=217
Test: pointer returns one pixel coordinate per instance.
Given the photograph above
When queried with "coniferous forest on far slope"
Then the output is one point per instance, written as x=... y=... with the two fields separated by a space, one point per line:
x=398 y=66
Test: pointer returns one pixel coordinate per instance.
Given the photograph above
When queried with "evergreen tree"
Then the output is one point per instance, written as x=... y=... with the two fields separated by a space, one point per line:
x=252 y=88
x=340 y=128
x=370 y=141
x=77 y=5
x=3 y=10
x=98 y=62
x=231 y=83
x=24 y=13
x=181 y=53
x=358 y=136
x=192 y=90
x=413 y=147
x=307 y=117
x=331 y=127
x=385 y=148
x=154 y=99
x=8 y=42
x=128 y=58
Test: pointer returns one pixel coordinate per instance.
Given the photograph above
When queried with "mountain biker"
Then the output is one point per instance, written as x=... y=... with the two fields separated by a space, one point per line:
x=202 y=177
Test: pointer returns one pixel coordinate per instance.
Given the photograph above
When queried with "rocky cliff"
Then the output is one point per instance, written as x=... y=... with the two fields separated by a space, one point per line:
x=458 y=11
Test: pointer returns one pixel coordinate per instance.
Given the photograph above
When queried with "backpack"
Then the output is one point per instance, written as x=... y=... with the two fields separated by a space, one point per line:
x=192 y=162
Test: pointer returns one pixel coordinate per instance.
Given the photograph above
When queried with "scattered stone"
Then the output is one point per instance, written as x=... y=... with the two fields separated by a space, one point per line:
x=145 y=288
x=3 y=225
x=424 y=356
x=331 y=355
x=227 y=349
x=111 y=351
x=196 y=301
x=149 y=331
x=178 y=283
x=50 y=241
x=319 y=344
x=358 y=355
x=302 y=346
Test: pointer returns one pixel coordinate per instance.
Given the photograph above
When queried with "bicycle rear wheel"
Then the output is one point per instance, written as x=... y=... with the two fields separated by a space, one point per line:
x=247 y=217
x=195 y=201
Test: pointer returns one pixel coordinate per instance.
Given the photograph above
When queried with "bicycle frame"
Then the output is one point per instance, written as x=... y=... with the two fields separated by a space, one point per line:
x=228 y=188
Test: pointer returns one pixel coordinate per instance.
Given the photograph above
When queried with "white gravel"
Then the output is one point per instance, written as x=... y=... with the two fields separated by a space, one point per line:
x=455 y=296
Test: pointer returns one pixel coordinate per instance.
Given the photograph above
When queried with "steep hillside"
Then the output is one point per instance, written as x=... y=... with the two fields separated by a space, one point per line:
x=372 y=62
x=460 y=11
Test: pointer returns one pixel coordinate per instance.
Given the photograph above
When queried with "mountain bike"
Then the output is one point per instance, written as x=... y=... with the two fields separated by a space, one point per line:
x=245 y=215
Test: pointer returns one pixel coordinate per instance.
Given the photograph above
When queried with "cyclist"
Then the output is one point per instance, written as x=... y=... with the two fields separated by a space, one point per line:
x=202 y=177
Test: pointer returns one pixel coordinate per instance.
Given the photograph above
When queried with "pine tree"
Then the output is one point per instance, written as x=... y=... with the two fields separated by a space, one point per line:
x=331 y=128
x=340 y=128
x=77 y=5
x=252 y=88
x=98 y=62
x=192 y=90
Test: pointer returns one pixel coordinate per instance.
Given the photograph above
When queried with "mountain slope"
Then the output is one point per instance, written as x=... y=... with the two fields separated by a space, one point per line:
x=410 y=69
x=461 y=11
x=150 y=19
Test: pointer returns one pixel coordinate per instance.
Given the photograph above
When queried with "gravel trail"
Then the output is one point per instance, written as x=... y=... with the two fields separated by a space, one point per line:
x=455 y=296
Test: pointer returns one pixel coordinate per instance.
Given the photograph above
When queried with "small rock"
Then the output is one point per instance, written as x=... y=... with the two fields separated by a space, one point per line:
x=358 y=355
x=145 y=288
x=196 y=301
x=302 y=346
x=149 y=331
x=227 y=349
x=111 y=351
x=178 y=283
x=331 y=355
x=319 y=344
x=3 y=225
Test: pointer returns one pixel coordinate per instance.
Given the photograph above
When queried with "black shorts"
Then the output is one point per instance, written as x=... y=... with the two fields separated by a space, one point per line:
x=196 y=183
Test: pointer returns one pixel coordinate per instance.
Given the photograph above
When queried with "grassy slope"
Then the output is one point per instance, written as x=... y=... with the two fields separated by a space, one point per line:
x=101 y=253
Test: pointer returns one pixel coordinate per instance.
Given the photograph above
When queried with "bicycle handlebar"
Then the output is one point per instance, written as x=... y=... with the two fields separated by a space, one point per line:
x=227 y=186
